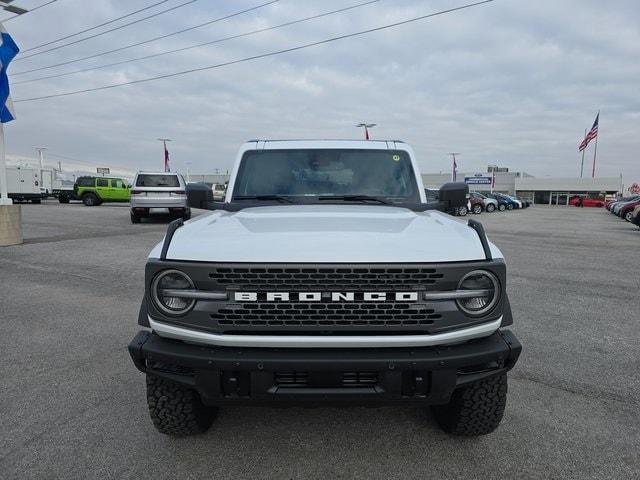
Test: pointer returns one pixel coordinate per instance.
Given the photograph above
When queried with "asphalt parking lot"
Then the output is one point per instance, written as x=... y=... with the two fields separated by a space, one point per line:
x=72 y=405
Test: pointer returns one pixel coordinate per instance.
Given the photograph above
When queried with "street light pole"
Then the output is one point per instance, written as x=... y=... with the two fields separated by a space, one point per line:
x=40 y=151
x=366 y=126
x=188 y=171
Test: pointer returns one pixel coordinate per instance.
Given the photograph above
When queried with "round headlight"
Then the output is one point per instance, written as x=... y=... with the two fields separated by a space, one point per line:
x=165 y=290
x=487 y=287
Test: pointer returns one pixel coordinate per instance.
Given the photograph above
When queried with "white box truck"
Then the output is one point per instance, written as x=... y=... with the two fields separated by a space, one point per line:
x=24 y=183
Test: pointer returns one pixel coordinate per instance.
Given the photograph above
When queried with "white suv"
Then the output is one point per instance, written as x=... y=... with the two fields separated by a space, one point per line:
x=158 y=192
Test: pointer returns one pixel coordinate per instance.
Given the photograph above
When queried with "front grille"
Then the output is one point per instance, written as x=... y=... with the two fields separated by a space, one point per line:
x=325 y=314
x=345 y=278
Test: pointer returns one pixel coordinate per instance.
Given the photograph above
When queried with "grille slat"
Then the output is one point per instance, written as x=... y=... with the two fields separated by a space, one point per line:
x=296 y=279
x=351 y=314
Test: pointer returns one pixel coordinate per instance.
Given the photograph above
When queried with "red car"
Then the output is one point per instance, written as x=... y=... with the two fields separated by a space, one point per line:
x=586 y=202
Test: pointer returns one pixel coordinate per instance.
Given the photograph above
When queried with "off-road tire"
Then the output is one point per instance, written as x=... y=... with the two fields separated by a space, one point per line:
x=176 y=410
x=477 y=209
x=502 y=207
x=476 y=409
x=134 y=218
x=90 y=199
x=490 y=207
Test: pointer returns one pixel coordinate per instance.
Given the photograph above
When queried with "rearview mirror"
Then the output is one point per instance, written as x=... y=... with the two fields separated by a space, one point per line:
x=453 y=195
x=199 y=195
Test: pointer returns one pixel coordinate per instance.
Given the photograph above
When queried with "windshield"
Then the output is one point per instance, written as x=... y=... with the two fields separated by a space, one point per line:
x=305 y=174
x=157 y=180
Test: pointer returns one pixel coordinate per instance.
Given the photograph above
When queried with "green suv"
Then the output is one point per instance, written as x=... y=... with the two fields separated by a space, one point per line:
x=95 y=190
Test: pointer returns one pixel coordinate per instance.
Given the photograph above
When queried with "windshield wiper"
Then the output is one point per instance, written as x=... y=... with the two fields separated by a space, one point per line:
x=355 y=198
x=277 y=198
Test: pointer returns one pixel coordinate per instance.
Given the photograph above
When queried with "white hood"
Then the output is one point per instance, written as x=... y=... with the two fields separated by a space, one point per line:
x=325 y=234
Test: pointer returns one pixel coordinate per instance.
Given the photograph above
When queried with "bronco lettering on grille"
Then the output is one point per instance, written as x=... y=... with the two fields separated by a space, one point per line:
x=325 y=296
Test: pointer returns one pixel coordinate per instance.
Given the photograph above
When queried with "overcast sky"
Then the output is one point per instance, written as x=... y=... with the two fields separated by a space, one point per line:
x=513 y=82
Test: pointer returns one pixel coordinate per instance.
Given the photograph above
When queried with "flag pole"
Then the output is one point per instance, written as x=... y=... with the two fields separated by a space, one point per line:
x=595 y=154
x=4 y=192
x=582 y=164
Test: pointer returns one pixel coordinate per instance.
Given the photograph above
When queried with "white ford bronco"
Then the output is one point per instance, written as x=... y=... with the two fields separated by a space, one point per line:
x=326 y=277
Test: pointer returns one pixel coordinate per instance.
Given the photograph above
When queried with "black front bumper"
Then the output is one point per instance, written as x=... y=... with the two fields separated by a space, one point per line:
x=224 y=375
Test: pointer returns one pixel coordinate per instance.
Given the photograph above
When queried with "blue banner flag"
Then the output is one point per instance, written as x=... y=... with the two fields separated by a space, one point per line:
x=8 y=50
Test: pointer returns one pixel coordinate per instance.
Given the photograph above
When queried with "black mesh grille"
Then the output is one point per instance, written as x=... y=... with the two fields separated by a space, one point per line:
x=347 y=278
x=321 y=314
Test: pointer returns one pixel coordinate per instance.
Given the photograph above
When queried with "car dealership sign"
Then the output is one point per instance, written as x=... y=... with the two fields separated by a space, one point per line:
x=477 y=180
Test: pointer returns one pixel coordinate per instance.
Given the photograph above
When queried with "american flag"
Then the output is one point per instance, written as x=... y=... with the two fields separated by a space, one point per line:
x=593 y=133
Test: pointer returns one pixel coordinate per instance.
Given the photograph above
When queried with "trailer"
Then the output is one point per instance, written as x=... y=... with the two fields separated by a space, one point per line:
x=25 y=184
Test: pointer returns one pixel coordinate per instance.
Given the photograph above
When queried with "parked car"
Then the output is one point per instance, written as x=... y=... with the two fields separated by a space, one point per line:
x=516 y=202
x=290 y=304
x=586 y=201
x=476 y=205
x=219 y=190
x=503 y=203
x=95 y=190
x=525 y=203
x=489 y=204
x=158 y=192
x=618 y=206
x=626 y=211
x=636 y=216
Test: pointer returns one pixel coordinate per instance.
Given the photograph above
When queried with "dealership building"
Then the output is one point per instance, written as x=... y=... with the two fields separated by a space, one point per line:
x=538 y=190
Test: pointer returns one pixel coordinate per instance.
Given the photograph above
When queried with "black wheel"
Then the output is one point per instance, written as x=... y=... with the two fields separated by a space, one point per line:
x=502 y=207
x=90 y=199
x=176 y=410
x=509 y=207
x=63 y=199
x=490 y=208
x=462 y=211
x=477 y=209
x=134 y=218
x=36 y=201
x=476 y=409
x=187 y=214
x=628 y=216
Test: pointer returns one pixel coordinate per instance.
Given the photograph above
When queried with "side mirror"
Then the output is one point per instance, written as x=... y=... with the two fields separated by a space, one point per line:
x=453 y=195
x=199 y=195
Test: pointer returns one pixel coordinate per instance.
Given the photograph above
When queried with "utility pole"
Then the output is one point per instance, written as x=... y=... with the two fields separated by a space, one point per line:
x=40 y=151
x=454 y=166
x=188 y=171
x=366 y=126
